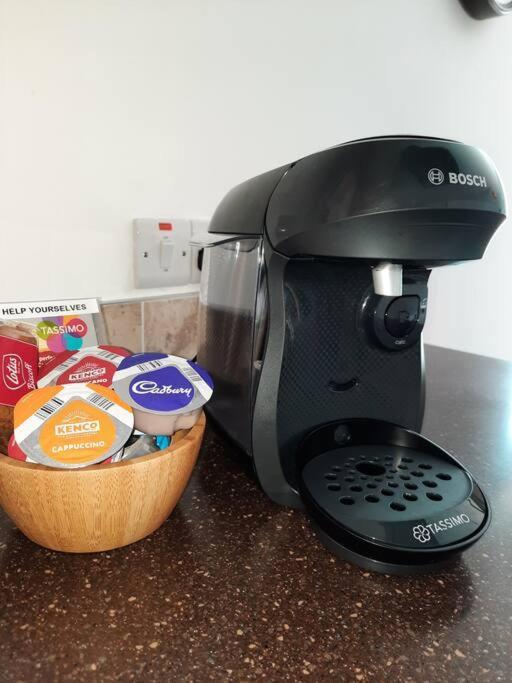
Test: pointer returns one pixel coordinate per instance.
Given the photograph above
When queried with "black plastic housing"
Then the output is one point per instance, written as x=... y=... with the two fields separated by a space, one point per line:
x=299 y=342
x=412 y=200
x=484 y=9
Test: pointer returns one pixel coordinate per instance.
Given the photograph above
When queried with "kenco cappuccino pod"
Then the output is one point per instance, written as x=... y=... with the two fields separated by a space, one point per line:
x=165 y=392
x=93 y=365
x=18 y=372
x=71 y=426
x=15 y=452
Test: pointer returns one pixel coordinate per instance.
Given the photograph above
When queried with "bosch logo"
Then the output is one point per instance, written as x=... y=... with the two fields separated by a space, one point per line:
x=436 y=176
x=467 y=179
x=421 y=533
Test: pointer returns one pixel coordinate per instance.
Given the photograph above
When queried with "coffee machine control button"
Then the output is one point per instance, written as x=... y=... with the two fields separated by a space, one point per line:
x=402 y=315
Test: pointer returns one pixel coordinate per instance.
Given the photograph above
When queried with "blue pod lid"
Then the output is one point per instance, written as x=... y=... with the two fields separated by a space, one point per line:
x=159 y=383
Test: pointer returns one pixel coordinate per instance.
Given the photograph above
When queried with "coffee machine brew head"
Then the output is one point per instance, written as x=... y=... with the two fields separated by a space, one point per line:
x=387 y=279
x=312 y=303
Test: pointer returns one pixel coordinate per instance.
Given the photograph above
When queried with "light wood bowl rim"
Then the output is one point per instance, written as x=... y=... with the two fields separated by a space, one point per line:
x=194 y=434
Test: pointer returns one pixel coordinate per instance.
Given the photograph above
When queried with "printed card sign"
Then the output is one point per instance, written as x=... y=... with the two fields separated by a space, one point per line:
x=64 y=325
x=34 y=309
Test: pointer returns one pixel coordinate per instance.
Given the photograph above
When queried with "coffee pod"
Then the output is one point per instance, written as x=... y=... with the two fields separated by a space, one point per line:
x=162 y=442
x=144 y=445
x=72 y=426
x=165 y=392
x=117 y=457
x=93 y=365
x=18 y=371
x=140 y=444
x=14 y=451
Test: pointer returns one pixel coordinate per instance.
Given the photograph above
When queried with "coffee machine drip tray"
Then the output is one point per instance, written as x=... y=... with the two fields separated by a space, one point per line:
x=388 y=499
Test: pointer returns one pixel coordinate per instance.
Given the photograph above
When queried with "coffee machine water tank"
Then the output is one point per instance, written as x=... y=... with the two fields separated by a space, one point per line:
x=312 y=302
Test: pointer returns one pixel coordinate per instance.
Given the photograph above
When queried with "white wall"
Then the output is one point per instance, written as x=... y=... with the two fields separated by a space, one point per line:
x=113 y=109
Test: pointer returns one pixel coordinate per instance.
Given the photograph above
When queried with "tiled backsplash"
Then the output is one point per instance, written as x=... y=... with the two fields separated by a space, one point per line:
x=123 y=324
x=168 y=325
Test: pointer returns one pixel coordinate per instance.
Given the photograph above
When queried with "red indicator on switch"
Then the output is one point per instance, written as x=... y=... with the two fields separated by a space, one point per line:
x=165 y=226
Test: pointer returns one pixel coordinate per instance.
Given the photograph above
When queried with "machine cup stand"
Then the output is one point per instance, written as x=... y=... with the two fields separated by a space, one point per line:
x=387 y=499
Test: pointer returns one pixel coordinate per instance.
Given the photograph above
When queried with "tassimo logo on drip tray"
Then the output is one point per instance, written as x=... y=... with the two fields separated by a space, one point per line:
x=424 y=532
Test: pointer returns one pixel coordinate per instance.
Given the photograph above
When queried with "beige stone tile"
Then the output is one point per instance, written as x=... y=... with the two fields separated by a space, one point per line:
x=170 y=326
x=123 y=324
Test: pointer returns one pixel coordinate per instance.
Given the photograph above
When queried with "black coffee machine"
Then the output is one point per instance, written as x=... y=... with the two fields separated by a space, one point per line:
x=313 y=299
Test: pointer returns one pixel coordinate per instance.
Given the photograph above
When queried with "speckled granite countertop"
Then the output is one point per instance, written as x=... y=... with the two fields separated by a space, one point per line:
x=235 y=588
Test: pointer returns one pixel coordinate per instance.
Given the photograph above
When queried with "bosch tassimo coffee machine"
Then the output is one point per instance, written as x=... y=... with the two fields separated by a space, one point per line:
x=313 y=299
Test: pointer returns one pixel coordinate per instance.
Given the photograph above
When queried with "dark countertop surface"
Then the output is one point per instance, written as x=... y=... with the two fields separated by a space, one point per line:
x=233 y=587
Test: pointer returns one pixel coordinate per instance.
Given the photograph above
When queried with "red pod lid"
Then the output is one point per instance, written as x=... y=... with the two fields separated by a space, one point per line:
x=14 y=451
x=92 y=365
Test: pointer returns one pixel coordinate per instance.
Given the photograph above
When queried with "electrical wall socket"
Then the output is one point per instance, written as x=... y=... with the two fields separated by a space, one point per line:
x=162 y=252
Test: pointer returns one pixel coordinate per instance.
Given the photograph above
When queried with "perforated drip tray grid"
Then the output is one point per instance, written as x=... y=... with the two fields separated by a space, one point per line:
x=383 y=492
x=384 y=483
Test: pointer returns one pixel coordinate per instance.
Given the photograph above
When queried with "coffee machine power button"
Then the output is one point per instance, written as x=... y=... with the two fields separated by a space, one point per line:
x=402 y=315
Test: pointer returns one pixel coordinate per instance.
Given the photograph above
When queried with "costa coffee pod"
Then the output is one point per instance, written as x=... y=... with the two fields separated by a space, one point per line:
x=14 y=451
x=18 y=371
x=117 y=457
x=93 y=365
x=165 y=392
x=71 y=426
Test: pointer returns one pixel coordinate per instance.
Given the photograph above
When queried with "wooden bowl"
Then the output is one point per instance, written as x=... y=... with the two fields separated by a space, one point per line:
x=99 y=507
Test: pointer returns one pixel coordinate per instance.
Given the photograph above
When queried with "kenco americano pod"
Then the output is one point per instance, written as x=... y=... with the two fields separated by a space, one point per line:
x=93 y=365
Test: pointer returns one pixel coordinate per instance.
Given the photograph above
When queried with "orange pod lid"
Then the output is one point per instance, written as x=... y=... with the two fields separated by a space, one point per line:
x=72 y=425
